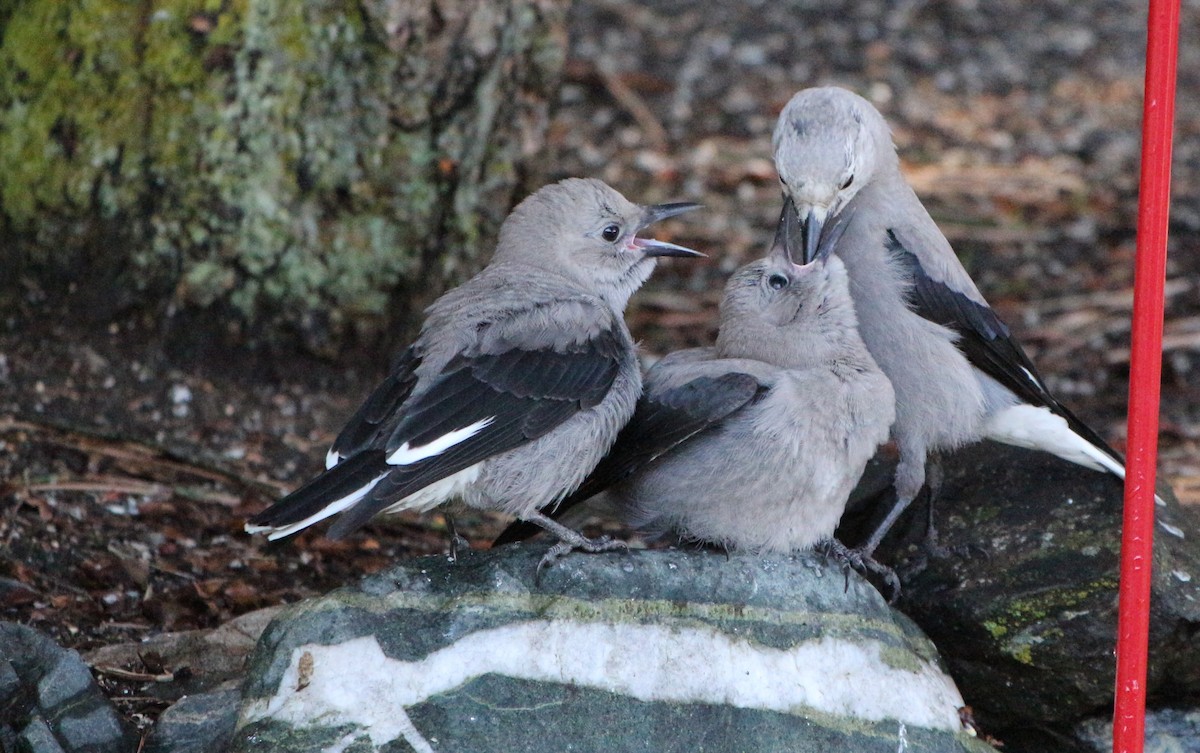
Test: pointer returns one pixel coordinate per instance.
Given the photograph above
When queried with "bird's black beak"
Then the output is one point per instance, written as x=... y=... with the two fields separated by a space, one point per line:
x=810 y=239
x=831 y=234
x=656 y=213
x=811 y=231
x=660 y=212
x=788 y=234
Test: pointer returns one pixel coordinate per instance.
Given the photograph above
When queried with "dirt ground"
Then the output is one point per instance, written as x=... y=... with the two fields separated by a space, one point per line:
x=125 y=478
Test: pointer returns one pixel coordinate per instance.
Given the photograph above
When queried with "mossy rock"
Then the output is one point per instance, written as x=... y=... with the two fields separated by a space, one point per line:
x=639 y=651
x=1024 y=608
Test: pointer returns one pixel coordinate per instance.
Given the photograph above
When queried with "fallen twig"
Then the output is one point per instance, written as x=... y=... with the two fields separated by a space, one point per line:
x=113 y=485
x=136 y=451
x=126 y=674
x=121 y=485
x=149 y=699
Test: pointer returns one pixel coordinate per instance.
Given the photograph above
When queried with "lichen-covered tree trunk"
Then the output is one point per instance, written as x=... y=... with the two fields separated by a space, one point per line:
x=305 y=170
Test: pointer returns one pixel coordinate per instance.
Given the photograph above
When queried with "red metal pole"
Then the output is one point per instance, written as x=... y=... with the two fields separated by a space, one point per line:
x=1145 y=370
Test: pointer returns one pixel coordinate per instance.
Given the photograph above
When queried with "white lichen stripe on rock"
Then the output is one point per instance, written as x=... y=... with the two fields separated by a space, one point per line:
x=355 y=683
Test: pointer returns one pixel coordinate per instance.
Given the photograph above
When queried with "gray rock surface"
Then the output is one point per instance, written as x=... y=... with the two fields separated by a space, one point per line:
x=1167 y=731
x=644 y=651
x=1026 y=621
x=50 y=702
x=202 y=660
x=202 y=723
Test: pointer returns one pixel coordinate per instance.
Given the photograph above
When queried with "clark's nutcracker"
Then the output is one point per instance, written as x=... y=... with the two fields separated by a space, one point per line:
x=958 y=374
x=517 y=384
x=756 y=443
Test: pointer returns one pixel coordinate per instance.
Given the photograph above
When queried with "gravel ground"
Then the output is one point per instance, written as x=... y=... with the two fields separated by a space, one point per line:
x=126 y=478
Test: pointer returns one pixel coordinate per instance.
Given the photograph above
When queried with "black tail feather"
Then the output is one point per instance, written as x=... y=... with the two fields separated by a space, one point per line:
x=345 y=478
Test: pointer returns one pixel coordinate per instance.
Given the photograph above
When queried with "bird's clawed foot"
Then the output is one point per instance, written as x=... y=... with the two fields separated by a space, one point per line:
x=569 y=540
x=934 y=549
x=931 y=550
x=458 y=543
x=583 y=544
x=862 y=562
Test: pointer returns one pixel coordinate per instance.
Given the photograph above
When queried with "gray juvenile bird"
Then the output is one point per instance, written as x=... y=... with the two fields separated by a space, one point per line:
x=517 y=384
x=755 y=443
x=958 y=374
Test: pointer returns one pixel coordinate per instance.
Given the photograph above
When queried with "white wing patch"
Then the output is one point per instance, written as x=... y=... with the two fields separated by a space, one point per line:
x=1033 y=378
x=405 y=455
x=332 y=459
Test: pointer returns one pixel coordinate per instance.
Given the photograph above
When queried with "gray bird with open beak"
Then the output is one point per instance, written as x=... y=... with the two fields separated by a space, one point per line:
x=756 y=443
x=958 y=374
x=516 y=386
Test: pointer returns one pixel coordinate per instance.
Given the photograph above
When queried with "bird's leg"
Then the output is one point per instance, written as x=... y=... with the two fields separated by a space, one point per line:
x=898 y=507
x=910 y=477
x=931 y=548
x=863 y=564
x=933 y=483
x=569 y=540
x=457 y=542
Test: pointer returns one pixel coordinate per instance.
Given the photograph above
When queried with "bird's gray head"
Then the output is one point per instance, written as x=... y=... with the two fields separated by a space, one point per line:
x=829 y=143
x=583 y=228
x=783 y=313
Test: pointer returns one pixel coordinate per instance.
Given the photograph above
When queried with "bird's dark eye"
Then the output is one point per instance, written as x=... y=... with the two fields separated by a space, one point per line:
x=781 y=180
x=846 y=183
x=611 y=232
x=777 y=281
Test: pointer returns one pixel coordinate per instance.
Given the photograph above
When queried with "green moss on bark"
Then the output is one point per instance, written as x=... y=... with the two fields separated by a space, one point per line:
x=280 y=162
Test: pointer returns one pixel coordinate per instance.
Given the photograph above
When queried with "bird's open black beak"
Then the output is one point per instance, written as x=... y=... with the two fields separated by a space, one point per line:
x=809 y=239
x=660 y=212
x=788 y=233
x=655 y=213
x=831 y=234
x=811 y=234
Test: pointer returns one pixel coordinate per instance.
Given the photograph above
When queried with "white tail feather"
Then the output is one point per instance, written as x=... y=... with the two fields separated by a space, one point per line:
x=1039 y=428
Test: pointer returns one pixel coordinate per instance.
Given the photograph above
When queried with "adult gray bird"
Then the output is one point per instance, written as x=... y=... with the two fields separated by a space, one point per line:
x=516 y=386
x=958 y=374
x=756 y=443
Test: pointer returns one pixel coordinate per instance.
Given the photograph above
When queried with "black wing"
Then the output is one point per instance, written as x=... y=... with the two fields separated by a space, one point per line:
x=513 y=397
x=660 y=423
x=384 y=403
x=985 y=340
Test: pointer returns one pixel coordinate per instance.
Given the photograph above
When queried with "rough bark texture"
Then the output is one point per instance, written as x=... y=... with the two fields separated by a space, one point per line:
x=306 y=169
